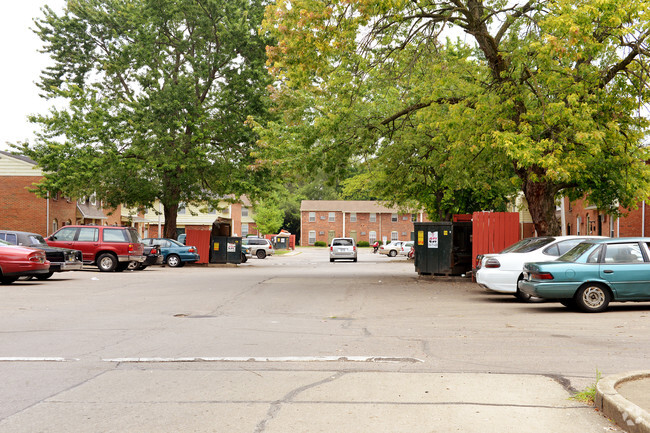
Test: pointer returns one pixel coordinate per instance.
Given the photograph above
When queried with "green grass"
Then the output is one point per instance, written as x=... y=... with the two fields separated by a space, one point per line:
x=588 y=395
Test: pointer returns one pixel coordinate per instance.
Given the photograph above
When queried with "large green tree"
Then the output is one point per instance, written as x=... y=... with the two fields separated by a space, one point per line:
x=541 y=96
x=151 y=101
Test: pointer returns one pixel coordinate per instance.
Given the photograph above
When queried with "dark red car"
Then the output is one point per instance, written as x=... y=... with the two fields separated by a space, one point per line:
x=21 y=261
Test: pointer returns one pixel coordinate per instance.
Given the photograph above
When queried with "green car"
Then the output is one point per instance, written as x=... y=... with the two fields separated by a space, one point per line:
x=593 y=274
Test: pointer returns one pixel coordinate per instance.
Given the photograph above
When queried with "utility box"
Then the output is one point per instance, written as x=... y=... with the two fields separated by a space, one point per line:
x=225 y=249
x=443 y=248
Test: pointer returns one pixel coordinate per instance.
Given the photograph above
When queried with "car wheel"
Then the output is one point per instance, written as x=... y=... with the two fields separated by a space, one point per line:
x=173 y=261
x=7 y=280
x=354 y=260
x=260 y=254
x=592 y=298
x=331 y=260
x=43 y=277
x=392 y=253
x=133 y=266
x=107 y=262
x=244 y=258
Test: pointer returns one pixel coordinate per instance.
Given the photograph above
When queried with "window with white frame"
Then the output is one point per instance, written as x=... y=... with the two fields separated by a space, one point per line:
x=394 y=236
x=312 y=217
x=393 y=217
x=577 y=225
x=372 y=237
x=244 y=212
x=312 y=237
x=373 y=217
x=332 y=217
x=414 y=217
x=353 y=217
x=244 y=230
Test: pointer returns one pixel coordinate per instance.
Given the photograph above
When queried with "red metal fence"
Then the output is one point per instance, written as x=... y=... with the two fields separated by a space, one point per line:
x=199 y=238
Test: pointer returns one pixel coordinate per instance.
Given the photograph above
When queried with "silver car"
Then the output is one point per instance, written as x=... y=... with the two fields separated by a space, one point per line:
x=260 y=247
x=343 y=248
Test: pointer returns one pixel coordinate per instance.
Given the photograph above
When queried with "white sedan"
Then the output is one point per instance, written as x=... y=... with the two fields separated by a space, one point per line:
x=406 y=248
x=391 y=249
x=500 y=272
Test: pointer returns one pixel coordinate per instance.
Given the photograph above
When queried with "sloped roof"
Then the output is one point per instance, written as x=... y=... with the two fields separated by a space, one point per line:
x=19 y=157
x=91 y=212
x=361 y=206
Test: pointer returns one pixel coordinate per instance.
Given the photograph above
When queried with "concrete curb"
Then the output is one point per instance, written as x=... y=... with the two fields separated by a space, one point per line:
x=623 y=412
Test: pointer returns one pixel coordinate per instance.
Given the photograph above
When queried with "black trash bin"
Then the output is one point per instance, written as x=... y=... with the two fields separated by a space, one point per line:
x=443 y=248
x=225 y=249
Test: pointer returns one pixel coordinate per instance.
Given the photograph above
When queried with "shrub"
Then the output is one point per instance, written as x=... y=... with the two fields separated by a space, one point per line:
x=320 y=244
x=363 y=244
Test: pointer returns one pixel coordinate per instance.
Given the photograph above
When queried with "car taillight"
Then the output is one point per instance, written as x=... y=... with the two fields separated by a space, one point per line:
x=130 y=248
x=37 y=258
x=154 y=251
x=492 y=263
x=192 y=250
x=354 y=248
x=331 y=248
x=541 y=276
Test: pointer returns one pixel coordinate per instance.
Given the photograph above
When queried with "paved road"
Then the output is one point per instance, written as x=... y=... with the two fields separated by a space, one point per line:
x=298 y=344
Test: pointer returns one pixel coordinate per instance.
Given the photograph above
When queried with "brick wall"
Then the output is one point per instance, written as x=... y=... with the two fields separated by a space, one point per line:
x=23 y=210
x=630 y=224
x=383 y=226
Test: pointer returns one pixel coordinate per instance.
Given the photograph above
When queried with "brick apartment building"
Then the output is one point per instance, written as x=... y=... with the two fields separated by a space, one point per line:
x=578 y=217
x=363 y=220
x=22 y=210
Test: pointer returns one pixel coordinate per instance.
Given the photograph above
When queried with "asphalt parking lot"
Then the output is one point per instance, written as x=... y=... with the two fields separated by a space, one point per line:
x=295 y=343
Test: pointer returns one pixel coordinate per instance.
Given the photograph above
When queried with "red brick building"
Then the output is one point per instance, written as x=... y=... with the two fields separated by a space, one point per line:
x=322 y=220
x=578 y=217
x=22 y=210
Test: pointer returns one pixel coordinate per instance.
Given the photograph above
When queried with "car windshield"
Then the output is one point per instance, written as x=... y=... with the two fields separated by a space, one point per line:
x=575 y=252
x=3 y=243
x=37 y=240
x=534 y=244
x=176 y=243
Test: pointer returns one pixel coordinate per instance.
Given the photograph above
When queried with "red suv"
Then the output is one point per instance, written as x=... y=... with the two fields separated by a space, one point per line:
x=109 y=248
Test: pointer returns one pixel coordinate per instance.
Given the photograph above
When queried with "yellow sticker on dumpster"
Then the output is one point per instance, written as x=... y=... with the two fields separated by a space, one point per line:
x=446 y=232
x=216 y=246
x=420 y=238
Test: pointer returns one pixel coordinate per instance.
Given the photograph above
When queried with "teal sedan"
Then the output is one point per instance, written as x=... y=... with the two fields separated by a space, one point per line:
x=593 y=274
x=175 y=254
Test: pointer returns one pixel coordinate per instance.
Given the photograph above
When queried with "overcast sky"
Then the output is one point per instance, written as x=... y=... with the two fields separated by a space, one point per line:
x=21 y=66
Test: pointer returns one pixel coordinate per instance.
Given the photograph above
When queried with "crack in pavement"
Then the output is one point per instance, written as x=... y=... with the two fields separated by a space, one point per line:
x=277 y=405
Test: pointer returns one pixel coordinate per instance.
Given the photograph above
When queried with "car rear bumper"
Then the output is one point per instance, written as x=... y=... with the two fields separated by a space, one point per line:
x=132 y=258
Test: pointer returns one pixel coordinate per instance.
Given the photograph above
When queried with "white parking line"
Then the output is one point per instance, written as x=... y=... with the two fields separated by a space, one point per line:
x=36 y=359
x=272 y=359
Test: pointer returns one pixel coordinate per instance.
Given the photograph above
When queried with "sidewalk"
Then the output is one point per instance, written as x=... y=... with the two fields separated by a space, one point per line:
x=246 y=399
x=625 y=398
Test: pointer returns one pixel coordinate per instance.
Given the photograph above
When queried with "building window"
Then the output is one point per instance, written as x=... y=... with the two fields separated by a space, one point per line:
x=55 y=225
x=244 y=230
x=577 y=225
x=414 y=217
x=372 y=237
x=312 y=217
x=244 y=212
x=393 y=218
x=394 y=236
x=405 y=217
x=353 y=217
x=312 y=237
x=332 y=217
x=373 y=217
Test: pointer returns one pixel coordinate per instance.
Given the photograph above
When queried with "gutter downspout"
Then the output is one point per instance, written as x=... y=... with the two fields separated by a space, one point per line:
x=643 y=220
x=343 y=212
x=47 y=215
x=563 y=217
x=159 y=223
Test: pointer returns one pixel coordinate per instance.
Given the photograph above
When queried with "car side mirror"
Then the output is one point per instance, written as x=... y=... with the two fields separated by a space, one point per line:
x=52 y=238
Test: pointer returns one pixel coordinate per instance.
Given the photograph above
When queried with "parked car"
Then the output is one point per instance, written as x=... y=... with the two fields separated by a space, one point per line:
x=107 y=247
x=593 y=274
x=391 y=249
x=500 y=272
x=343 y=248
x=260 y=247
x=406 y=248
x=153 y=256
x=18 y=261
x=61 y=259
x=245 y=253
x=174 y=253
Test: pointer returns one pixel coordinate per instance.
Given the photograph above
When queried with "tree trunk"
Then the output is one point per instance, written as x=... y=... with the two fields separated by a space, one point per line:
x=171 y=213
x=540 y=195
